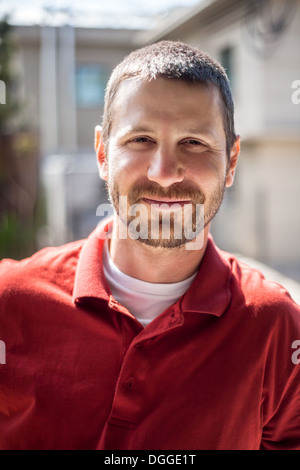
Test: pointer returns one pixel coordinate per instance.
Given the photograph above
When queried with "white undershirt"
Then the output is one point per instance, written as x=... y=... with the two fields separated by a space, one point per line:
x=145 y=300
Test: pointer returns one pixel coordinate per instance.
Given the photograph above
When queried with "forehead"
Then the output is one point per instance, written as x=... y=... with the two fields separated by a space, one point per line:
x=167 y=101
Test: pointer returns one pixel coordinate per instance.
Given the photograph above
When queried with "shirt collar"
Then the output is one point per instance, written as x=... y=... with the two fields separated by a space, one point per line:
x=209 y=293
x=90 y=280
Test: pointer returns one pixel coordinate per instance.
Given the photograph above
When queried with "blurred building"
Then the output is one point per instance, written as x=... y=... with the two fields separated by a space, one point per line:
x=64 y=72
x=258 y=44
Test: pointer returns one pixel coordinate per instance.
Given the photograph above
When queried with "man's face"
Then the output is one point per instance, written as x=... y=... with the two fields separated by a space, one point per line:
x=167 y=145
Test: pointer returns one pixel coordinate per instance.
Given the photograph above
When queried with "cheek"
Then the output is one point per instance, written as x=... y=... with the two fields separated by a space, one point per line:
x=207 y=171
x=127 y=166
x=123 y=171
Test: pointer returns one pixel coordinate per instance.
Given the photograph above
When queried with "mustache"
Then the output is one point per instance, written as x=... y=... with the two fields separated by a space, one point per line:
x=179 y=191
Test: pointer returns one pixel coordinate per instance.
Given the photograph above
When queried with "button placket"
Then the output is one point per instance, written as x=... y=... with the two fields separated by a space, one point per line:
x=130 y=384
x=127 y=399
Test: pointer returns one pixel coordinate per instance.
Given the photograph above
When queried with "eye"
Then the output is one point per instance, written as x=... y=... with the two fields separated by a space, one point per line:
x=193 y=142
x=140 y=142
x=194 y=145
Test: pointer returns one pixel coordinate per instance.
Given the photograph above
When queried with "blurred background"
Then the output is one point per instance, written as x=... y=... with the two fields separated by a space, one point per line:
x=55 y=59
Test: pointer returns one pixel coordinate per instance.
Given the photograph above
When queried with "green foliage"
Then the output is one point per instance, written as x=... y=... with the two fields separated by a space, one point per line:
x=17 y=236
x=12 y=239
x=7 y=75
x=20 y=203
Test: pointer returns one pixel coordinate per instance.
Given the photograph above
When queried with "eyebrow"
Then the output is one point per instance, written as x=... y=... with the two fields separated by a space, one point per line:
x=136 y=129
x=129 y=130
x=197 y=130
x=192 y=130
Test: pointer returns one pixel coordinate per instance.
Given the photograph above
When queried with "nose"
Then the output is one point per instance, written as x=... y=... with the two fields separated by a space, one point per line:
x=165 y=168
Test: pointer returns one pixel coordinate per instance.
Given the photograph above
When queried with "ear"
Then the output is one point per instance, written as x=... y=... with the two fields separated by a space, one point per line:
x=234 y=155
x=99 y=149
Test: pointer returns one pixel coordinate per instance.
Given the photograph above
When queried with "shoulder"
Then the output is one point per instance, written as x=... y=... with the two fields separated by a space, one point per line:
x=260 y=296
x=51 y=265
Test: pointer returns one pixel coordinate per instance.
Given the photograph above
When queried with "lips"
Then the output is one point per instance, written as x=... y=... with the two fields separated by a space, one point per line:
x=165 y=202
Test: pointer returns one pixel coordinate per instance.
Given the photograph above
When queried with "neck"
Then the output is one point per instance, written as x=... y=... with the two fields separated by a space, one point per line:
x=152 y=264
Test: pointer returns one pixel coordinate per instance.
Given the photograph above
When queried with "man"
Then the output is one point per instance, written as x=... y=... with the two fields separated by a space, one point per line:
x=146 y=335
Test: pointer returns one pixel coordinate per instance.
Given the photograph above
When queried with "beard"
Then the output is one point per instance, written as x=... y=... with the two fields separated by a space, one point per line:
x=181 y=226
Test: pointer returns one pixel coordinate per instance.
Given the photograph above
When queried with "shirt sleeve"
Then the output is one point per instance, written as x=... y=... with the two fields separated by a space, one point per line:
x=281 y=398
x=282 y=431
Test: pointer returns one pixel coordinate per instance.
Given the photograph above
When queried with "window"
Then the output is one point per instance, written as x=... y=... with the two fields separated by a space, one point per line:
x=90 y=85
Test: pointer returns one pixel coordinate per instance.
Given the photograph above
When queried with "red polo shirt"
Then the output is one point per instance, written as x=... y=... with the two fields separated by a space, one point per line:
x=213 y=371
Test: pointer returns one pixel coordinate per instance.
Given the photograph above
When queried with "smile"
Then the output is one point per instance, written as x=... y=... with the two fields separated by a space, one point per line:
x=166 y=204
